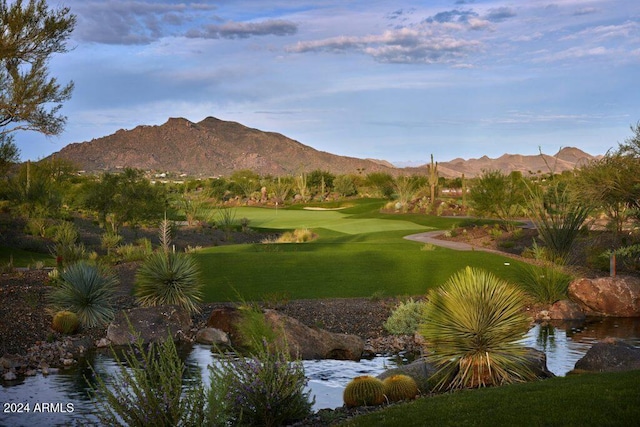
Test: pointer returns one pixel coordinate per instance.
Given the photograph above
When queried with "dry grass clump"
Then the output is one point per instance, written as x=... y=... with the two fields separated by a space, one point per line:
x=300 y=235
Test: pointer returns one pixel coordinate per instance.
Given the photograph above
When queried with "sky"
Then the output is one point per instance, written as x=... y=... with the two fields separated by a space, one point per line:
x=394 y=80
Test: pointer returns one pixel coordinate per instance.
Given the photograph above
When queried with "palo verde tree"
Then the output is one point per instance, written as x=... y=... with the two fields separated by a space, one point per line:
x=29 y=35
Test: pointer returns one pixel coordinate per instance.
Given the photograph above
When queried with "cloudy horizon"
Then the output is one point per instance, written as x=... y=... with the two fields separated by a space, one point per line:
x=397 y=80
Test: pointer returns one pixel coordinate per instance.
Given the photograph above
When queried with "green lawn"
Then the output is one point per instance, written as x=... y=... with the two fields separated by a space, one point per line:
x=611 y=399
x=359 y=252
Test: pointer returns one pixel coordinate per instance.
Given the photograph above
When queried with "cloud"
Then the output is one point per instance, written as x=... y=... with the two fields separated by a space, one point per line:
x=500 y=14
x=406 y=45
x=243 y=30
x=452 y=16
x=603 y=32
x=123 y=22
x=585 y=11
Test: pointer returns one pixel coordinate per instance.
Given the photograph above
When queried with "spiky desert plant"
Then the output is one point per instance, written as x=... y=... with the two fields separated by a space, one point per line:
x=169 y=278
x=472 y=327
x=87 y=291
x=65 y=322
x=546 y=283
x=364 y=390
x=400 y=387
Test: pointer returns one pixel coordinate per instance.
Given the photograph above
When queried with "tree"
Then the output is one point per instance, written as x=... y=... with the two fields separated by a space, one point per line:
x=29 y=98
x=631 y=145
x=9 y=153
x=497 y=194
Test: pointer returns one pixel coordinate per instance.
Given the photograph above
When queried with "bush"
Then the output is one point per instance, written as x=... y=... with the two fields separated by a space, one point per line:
x=86 y=291
x=405 y=318
x=266 y=390
x=147 y=389
x=301 y=235
x=546 y=284
x=169 y=278
x=253 y=329
x=472 y=327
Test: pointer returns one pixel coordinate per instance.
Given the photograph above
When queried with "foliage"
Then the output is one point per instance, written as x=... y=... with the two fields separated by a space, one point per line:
x=281 y=188
x=611 y=183
x=345 y=185
x=472 y=327
x=558 y=215
x=65 y=322
x=301 y=186
x=320 y=182
x=226 y=220
x=134 y=252
x=124 y=198
x=86 y=291
x=110 y=241
x=265 y=390
x=66 y=249
x=364 y=390
x=631 y=146
x=405 y=317
x=433 y=179
x=546 y=284
x=568 y=401
x=297 y=236
x=495 y=194
x=9 y=153
x=253 y=329
x=31 y=33
x=405 y=189
x=400 y=387
x=382 y=183
x=245 y=182
x=147 y=389
x=169 y=278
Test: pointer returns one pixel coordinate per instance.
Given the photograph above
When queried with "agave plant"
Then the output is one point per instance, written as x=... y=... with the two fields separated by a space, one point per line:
x=169 y=278
x=85 y=290
x=472 y=328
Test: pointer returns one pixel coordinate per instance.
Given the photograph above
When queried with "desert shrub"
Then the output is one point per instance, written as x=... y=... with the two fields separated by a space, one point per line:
x=546 y=283
x=472 y=327
x=405 y=318
x=428 y=247
x=86 y=291
x=301 y=235
x=267 y=389
x=66 y=249
x=110 y=241
x=253 y=329
x=147 y=389
x=134 y=252
x=169 y=278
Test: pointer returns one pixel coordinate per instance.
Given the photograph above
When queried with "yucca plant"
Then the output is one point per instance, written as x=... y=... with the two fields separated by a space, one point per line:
x=169 y=278
x=472 y=328
x=87 y=291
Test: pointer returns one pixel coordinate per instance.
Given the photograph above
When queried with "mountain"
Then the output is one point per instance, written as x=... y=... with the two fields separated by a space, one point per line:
x=211 y=147
x=215 y=147
x=567 y=158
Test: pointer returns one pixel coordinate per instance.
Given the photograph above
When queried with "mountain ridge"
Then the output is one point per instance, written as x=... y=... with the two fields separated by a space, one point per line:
x=214 y=147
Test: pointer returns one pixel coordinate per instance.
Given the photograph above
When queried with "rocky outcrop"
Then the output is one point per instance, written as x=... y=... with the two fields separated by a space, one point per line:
x=607 y=296
x=152 y=324
x=610 y=355
x=314 y=343
x=212 y=336
x=566 y=310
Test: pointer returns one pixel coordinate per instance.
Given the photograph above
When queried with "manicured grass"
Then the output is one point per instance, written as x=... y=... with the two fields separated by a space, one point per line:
x=611 y=399
x=22 y=258
x=360 y=252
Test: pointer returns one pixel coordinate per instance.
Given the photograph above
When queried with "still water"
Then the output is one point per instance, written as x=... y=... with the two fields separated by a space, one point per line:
x=564 y=344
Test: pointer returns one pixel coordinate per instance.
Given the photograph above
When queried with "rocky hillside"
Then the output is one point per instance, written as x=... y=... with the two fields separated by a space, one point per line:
x=209 y=148
x=215 y=147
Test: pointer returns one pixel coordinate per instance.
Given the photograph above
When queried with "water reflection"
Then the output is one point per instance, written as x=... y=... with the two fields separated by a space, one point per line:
x=563 y=343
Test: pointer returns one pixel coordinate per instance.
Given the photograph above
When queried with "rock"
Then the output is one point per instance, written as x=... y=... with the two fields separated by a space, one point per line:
x=538 y=363
x=212 y=336
x=420 y=370
x=102 y=343
x=9 y=376
x=153 y=324
x=566 y=310
x=608 y=296
x=224 y=319
x=314 y=343
x=610 y=355
x=11 y=361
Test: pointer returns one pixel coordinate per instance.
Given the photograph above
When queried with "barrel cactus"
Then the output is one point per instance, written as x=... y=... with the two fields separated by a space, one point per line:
x=400 y=387
x=364 y=391
x=65 y=322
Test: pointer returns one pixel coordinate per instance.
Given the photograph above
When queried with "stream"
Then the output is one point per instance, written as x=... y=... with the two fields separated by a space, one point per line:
x=61 y=399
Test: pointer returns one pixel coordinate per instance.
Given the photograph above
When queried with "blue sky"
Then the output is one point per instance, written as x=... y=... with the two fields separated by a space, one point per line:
x=393 y=80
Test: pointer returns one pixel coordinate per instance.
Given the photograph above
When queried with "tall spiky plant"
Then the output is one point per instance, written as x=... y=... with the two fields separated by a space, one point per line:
x=169 y=278
x=472 y=328
x=433 y=179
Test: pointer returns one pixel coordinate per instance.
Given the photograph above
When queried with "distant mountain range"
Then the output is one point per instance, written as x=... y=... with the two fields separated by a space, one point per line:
x=215 y=147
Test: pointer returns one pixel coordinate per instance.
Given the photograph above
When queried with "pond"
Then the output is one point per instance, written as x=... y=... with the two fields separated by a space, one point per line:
x=564 y=345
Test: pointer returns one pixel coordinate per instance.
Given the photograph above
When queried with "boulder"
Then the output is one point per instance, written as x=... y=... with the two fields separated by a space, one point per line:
x=314 y=343
x=152 y=324
x=212 y=336
x=420 y=370
x=538 y=363
x=607 y=296
x=610 y=355
x=225 y=319
x=566 y=310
